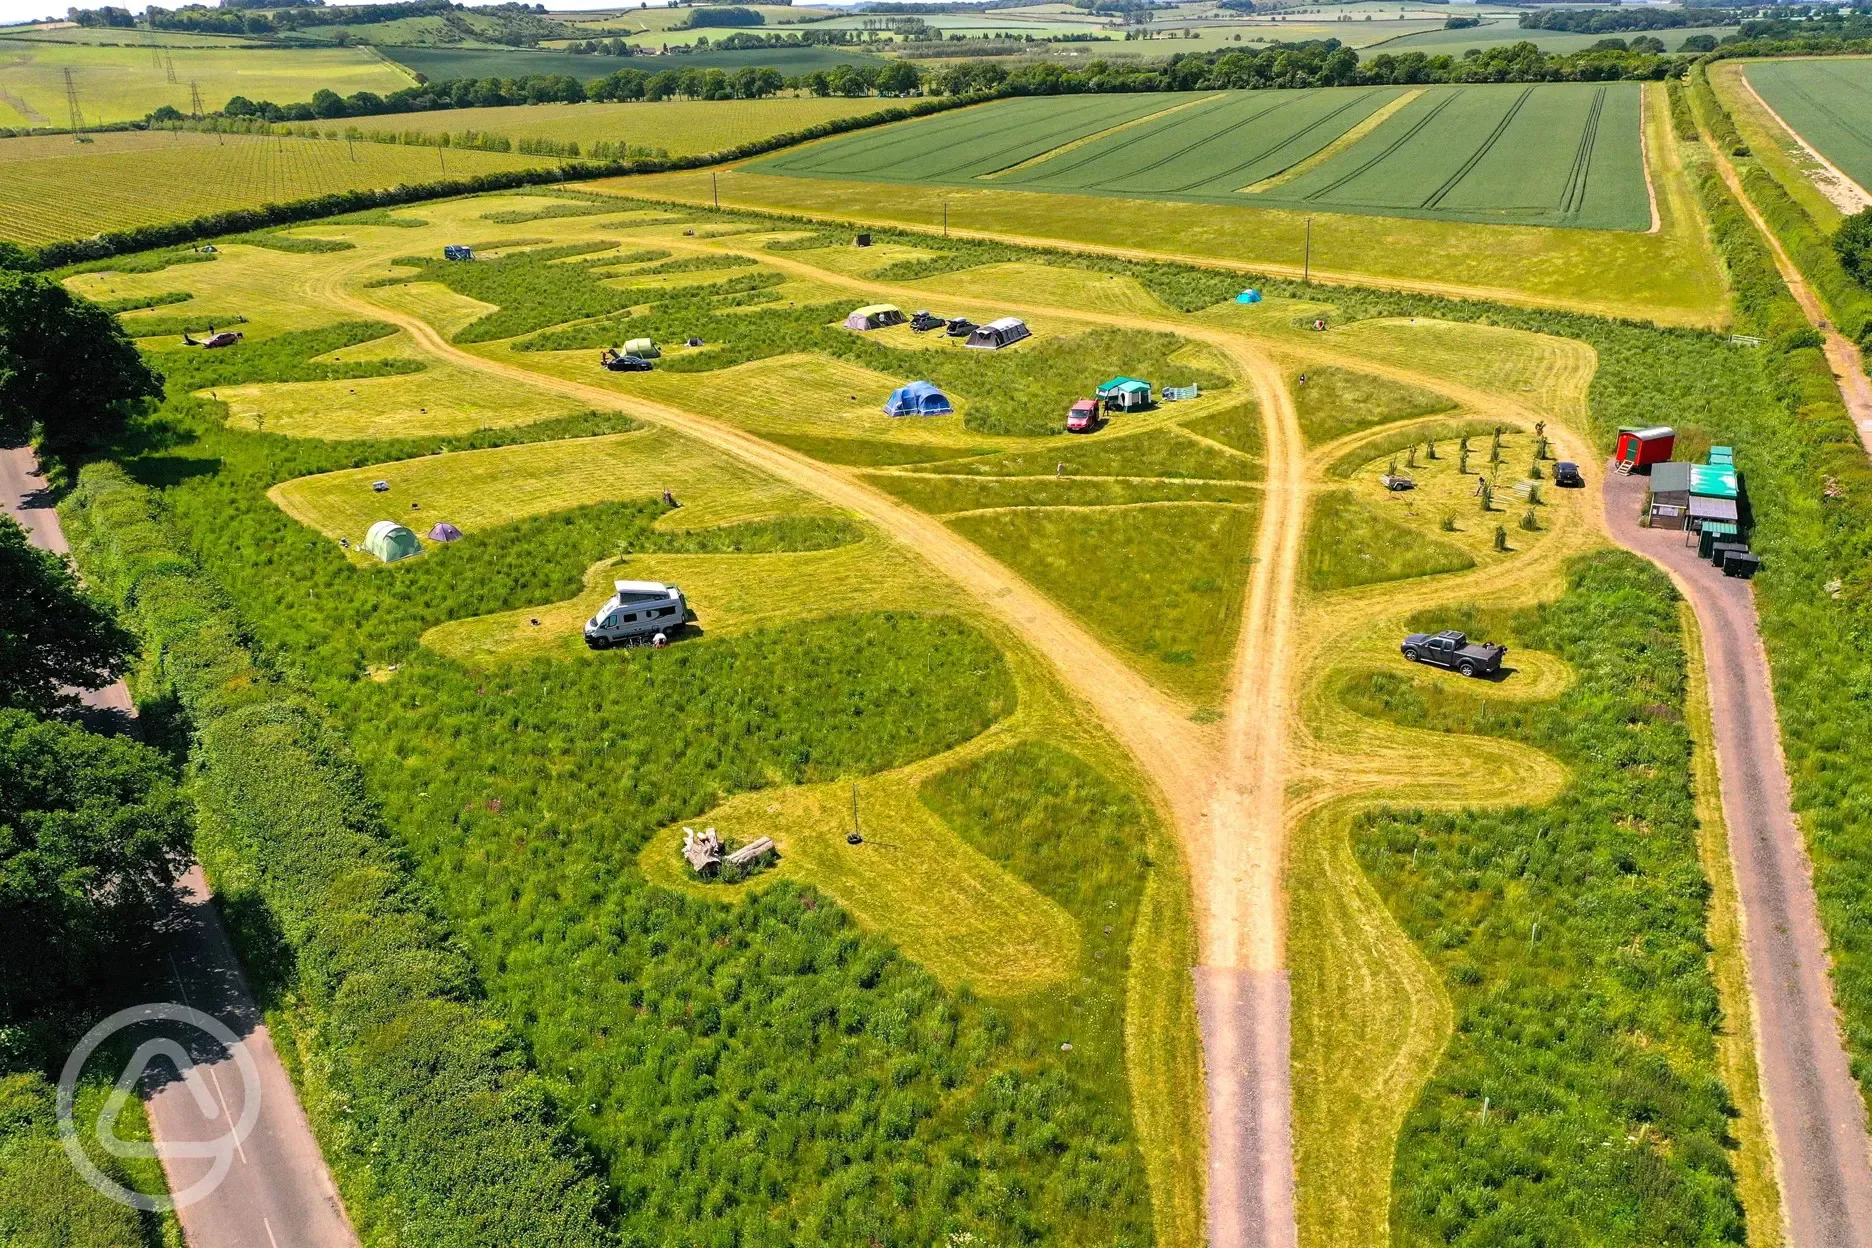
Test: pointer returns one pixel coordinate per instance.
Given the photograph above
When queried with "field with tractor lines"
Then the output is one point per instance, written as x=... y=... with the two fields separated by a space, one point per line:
x=1561 y=155
x=1828 y=102
x=54 y=189
x=127 y=83
x=679 y=127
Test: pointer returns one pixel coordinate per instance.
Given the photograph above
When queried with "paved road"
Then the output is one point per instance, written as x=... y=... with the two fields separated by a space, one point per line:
x=1814 y=1109
x=278 y=1192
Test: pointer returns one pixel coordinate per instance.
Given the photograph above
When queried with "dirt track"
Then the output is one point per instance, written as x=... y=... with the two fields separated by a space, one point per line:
x=1813 y=1103
x=278 y=1191
x=1849 y=368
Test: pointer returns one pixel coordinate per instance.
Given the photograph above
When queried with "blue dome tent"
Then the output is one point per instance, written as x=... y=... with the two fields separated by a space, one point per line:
x=1248 y=296
x=919 y=398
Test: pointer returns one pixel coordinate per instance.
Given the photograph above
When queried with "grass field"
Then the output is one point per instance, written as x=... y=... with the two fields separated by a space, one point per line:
x=1501 y=32
x=53 y=189
x=441 y=63
x=480 y=489
x=1546 y=155
x=1828 y=102
x=680 y=127
x=124 y=84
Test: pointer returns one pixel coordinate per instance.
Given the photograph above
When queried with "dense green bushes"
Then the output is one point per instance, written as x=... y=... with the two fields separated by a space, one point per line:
x=1578 y=1101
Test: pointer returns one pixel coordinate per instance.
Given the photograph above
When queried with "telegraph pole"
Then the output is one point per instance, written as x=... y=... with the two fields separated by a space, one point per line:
x=1306 y=266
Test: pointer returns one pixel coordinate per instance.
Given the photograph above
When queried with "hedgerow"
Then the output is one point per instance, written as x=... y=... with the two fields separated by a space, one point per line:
x=1579 y=1099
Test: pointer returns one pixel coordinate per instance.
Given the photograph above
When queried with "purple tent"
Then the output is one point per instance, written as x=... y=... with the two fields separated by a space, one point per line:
x=444 y=532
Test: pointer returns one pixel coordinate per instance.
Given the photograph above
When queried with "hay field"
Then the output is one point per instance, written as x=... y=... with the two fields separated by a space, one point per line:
x=125 y=84
x=680 y=127
x=1558 y=154
x=1828 y=102
x=480 y=489
x=54 y=189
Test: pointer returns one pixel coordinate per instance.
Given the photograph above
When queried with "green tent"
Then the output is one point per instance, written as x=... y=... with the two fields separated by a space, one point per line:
x=390 y=541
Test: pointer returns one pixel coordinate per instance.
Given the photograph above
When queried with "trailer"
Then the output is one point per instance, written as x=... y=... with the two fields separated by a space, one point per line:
x=456 y=251
x=1642 y=447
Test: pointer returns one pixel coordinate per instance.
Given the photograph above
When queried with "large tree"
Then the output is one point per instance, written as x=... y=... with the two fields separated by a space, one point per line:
x=1853 y=242
x=92 y=833
x=68 y=373
x=53 y=636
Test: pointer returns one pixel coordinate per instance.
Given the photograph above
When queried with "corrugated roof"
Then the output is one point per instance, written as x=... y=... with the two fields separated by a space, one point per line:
x=1670 y=477
x=1703 y=508
x=1713 y=481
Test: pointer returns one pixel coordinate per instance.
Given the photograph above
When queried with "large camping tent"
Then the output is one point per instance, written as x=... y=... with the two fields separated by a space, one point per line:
x=642 y=348
x=875 y=316
x=996 y=334
x=1124 y=393
x=919 y=398
x=390 y=541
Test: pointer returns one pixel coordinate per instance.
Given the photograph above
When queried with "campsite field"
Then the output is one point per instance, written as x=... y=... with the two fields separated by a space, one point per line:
x=1828 y=102
x=977 y=1019
x=54 y=189
x=1561 y=155
x=126 y=83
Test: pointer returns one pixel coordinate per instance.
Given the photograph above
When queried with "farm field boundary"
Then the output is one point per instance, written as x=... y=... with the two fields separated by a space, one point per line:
x=1824 y=101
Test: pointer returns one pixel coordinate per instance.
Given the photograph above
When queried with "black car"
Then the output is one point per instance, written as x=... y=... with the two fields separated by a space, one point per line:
x=625 y=363
x=923 y=322
x=961 y=327
x=1452 y=649
x=1566 y=475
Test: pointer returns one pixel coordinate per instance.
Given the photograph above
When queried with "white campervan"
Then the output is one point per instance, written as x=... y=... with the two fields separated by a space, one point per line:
x=639 y=611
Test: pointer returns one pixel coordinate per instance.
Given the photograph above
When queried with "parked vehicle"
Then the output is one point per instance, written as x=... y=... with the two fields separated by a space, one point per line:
x=1453 y=650
x=925 y=321
x=961 y=327
x=1083 y=418
x=619 y=362
x=640 y=612
x=455 y=251
x=1566 y=475
x=1396 y=481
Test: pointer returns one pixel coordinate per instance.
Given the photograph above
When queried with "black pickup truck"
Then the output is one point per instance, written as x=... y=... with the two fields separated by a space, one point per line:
x=1451 y=649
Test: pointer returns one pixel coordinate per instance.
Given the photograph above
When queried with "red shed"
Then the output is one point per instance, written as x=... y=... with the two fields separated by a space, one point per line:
x=1641 y=447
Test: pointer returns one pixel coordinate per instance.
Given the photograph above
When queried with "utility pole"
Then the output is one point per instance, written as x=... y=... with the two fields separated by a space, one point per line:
x=169 y=66
x=1306 y=268
x=71 y=103
x=195 y=104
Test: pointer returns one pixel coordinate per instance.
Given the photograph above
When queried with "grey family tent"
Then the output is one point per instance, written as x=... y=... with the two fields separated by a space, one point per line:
x=390 y=541
x=875 y=316
x=996 y=334
x=642 y=348
x=919 y=398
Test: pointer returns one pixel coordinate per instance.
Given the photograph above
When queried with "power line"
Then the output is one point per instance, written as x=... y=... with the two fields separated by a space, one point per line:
x=71 y=103
x=195 y=104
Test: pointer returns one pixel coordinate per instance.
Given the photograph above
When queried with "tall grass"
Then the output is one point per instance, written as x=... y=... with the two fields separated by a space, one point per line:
x=1579 y=1100
x=1348 y=544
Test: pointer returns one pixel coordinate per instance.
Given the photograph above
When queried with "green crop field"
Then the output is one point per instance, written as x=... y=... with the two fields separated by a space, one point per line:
x=679 y=127
x=54 y=189
x=1561 y=155
x=124 y=84
x=441 y=63
x=1828 y=103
